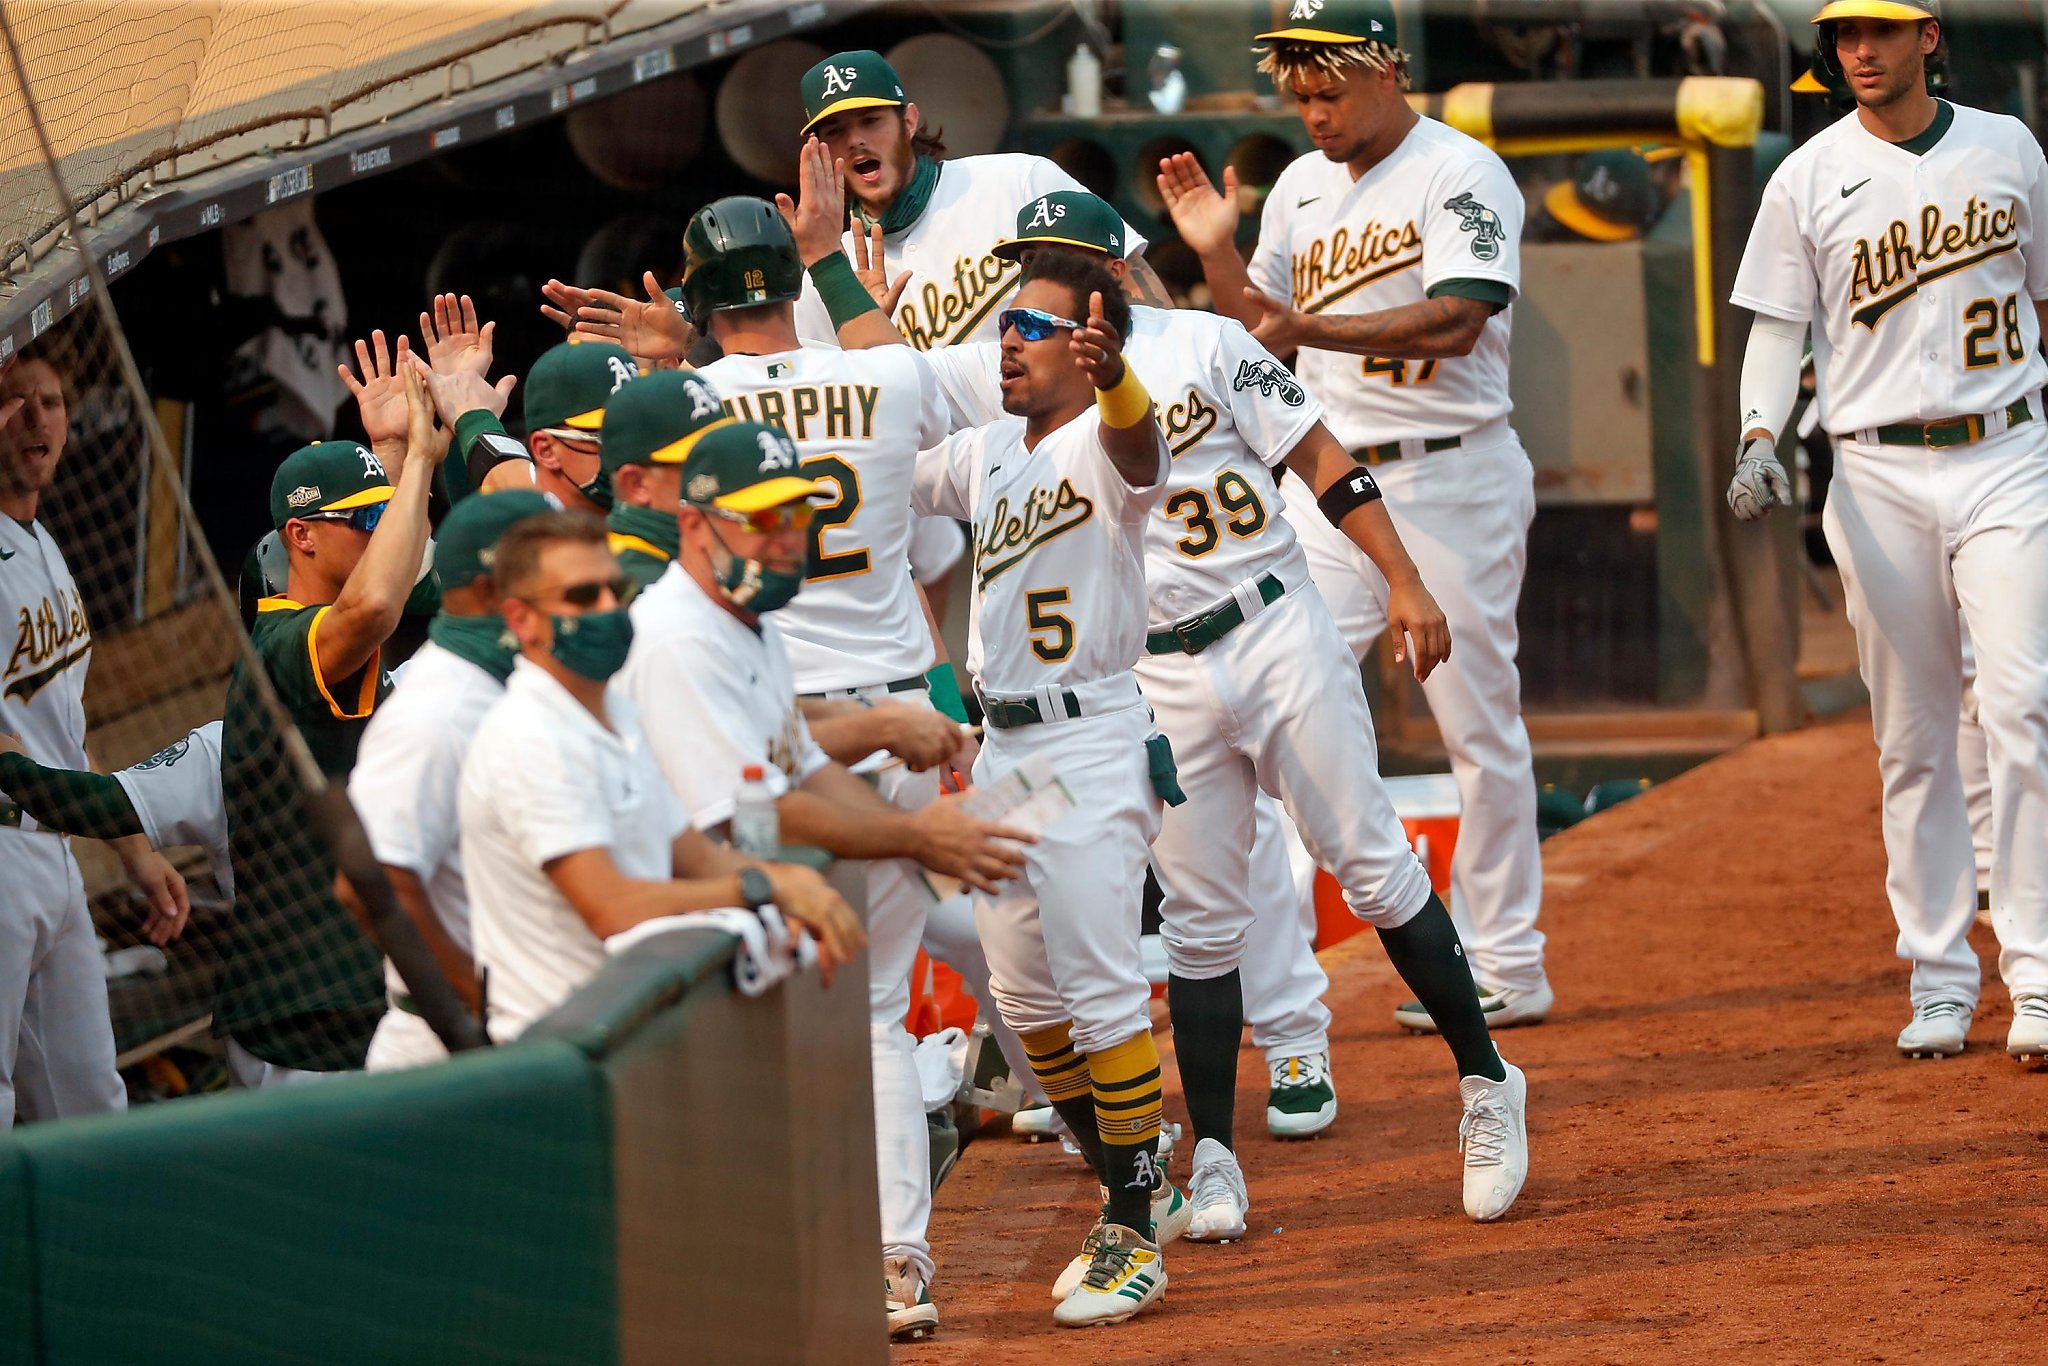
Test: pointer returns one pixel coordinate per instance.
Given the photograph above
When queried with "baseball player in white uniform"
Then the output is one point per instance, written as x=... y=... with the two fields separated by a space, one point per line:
x=1058 y=503
x=1386 y=264
x=56 y=1039
x=1908 y=237
x=408 y=774
x=1247 y=676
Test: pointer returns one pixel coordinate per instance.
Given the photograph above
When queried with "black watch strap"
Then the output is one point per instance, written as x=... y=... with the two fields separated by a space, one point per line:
x=756 y=890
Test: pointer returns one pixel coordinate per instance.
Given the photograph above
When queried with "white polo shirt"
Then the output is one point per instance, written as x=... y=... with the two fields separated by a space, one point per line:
x=177 y=795
x=715 y=695
x=543 y=780
x=408 y=777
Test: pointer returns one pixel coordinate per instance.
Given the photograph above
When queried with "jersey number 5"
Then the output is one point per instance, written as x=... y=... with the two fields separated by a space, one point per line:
x=1985 y=316
x=1192 y=506
x=1043 y=621
x=846 y=502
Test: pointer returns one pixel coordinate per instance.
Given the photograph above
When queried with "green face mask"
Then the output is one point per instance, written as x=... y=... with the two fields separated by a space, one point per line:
x=599 y=489
x=594 y=645
x=483 y=641
x=752 y=585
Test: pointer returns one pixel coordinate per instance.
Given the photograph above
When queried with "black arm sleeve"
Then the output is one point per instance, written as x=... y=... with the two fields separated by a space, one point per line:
x=88 y=804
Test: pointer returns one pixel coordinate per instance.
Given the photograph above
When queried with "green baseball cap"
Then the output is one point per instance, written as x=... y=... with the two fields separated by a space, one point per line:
x=656 y=420
x=467 y=539
x=571 y=383
x=745 y=467
x=849 y=80
x=1609 y=199
x=1066 y=218
x=328 y=476
x=1337 y=21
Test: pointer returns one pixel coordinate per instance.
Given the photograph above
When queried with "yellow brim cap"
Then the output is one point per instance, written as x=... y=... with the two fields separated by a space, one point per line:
x=770 y=493
x=1010 y=249
x=379 y=493
x=1314 y=35
x=1902 y=10
x=841 y=106
x=1808 y=85
x=677 y=451
x=1563 y=203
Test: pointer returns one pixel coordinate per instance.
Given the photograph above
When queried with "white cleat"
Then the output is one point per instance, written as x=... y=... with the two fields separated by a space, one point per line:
x=1937 y=1030
x=2028 y=1039
x=1126 y=1275
x=1217 y=1193
x=1504 y=1008
x=1301 y=1101
x=1494 y=1137
x=908 y=1301
x=1171 y=1212
x=1037 y=1124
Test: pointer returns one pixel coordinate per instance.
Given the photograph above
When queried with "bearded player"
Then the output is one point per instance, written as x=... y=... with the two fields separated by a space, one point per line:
x=1905 y=235
x=1386 y=264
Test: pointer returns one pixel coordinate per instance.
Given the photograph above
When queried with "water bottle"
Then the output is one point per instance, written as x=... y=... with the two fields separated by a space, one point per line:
x=756 y=829
x=1168 y=89
x=1084 y=83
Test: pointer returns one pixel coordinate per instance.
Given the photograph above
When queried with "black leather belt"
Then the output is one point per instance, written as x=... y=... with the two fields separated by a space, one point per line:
x=1197 y=633
x=1387 y=452
x=1025 y=712
x=1954 y=431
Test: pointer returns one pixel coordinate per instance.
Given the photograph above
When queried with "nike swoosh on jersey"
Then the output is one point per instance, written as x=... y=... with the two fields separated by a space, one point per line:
x=6 y=554
x=1848 y=190
x=1304 y=203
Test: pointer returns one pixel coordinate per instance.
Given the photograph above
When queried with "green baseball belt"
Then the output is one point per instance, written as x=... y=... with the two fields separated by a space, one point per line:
x=1025 y=712
x=917 y=684
x=1954 y=431
x=1387 y=452
x=1195 y=634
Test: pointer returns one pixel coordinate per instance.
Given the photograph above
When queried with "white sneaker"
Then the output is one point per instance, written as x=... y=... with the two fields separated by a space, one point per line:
x=1937 y=1030
x=1038 y=1123
x=1126 y=1275
x=908 y=1301
x=1217 y=1193
x=1301 y=1101
x=1171 y=1212
x=1504 y=1008
x=1494 y=1137
x=2028 y=1040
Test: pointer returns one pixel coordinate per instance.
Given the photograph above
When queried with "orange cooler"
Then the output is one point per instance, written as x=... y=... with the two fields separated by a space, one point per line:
x=1427 y=804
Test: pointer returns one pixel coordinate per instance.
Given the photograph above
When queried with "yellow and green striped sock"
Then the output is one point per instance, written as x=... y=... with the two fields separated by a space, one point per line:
x=1127 y=1114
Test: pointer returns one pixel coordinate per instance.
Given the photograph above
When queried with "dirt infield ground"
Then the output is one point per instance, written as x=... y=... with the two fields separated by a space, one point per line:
x=1730 y=1162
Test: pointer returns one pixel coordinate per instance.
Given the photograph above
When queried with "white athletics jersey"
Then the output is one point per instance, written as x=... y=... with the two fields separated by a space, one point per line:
x=177 y=795
x=1230 y=412
x=49 y=646
x=1059 y=569
x=407 y=783
x=1441 y=207
x=956 y=286
x=714 y=696
x=858 y=419
x=1918 y=272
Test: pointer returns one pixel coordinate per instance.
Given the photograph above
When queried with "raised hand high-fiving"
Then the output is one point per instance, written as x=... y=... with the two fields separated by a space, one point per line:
x=1097 y=349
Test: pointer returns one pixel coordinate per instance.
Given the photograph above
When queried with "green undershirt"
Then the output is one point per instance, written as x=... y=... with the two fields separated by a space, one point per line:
x=1923 y=142
x=1486 y=291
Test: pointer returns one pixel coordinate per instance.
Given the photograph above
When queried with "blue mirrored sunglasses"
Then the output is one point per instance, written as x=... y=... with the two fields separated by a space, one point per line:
x=364 y=518
x=1032 y=324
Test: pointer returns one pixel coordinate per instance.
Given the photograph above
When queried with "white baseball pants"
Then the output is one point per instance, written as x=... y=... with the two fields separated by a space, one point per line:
x=56 y=1038
x=1283 y=981
x=950 y=938
x=1062 y=941
x=1275 y=706
x=1464 y=516
x=1921 y=535
x=403 y=1040
x=1976 y=764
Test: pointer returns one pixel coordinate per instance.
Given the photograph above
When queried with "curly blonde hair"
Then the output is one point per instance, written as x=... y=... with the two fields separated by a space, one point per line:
x=1285 y=61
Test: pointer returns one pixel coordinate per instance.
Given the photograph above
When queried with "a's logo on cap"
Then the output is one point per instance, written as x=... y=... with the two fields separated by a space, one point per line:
x=1045 y=213
x=373 y=468
x=305 y=495
x=622 y=373
x=1601 y=186
x=703 y=488
x=1308 y=9
x=774 y=452
x=702 y=404
x=839 y=79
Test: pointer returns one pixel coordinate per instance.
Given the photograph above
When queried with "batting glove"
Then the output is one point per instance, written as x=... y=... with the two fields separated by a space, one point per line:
x=1759 y=483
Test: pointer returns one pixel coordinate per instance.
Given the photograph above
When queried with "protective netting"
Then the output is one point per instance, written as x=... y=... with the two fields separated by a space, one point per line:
x=135 y=88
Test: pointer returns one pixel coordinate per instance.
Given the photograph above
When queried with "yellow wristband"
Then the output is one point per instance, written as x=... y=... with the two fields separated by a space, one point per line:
x=1126 y=404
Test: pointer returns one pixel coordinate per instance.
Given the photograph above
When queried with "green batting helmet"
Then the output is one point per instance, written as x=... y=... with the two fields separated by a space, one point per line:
x=738 y=253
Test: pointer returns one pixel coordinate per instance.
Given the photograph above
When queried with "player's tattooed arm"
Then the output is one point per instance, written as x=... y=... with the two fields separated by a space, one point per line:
x=1146 y=282
x=1421 y=635
x=1448 y=325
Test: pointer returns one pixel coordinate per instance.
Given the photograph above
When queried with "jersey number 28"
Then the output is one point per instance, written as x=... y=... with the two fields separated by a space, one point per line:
x=1987 y=319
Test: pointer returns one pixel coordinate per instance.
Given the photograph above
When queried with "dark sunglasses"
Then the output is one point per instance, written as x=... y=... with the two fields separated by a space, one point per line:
x=588 y=595
x=362 y=519
x=768 y=521
x=1032 y=324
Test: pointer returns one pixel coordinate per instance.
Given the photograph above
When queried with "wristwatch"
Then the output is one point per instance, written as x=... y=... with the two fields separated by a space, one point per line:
x=756 y=890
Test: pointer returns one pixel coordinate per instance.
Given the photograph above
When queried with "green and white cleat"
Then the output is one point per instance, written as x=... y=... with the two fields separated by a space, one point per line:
x=1303 y=1101
x=1171 y=1214
x=1126 y=1275
x=912 y=1315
